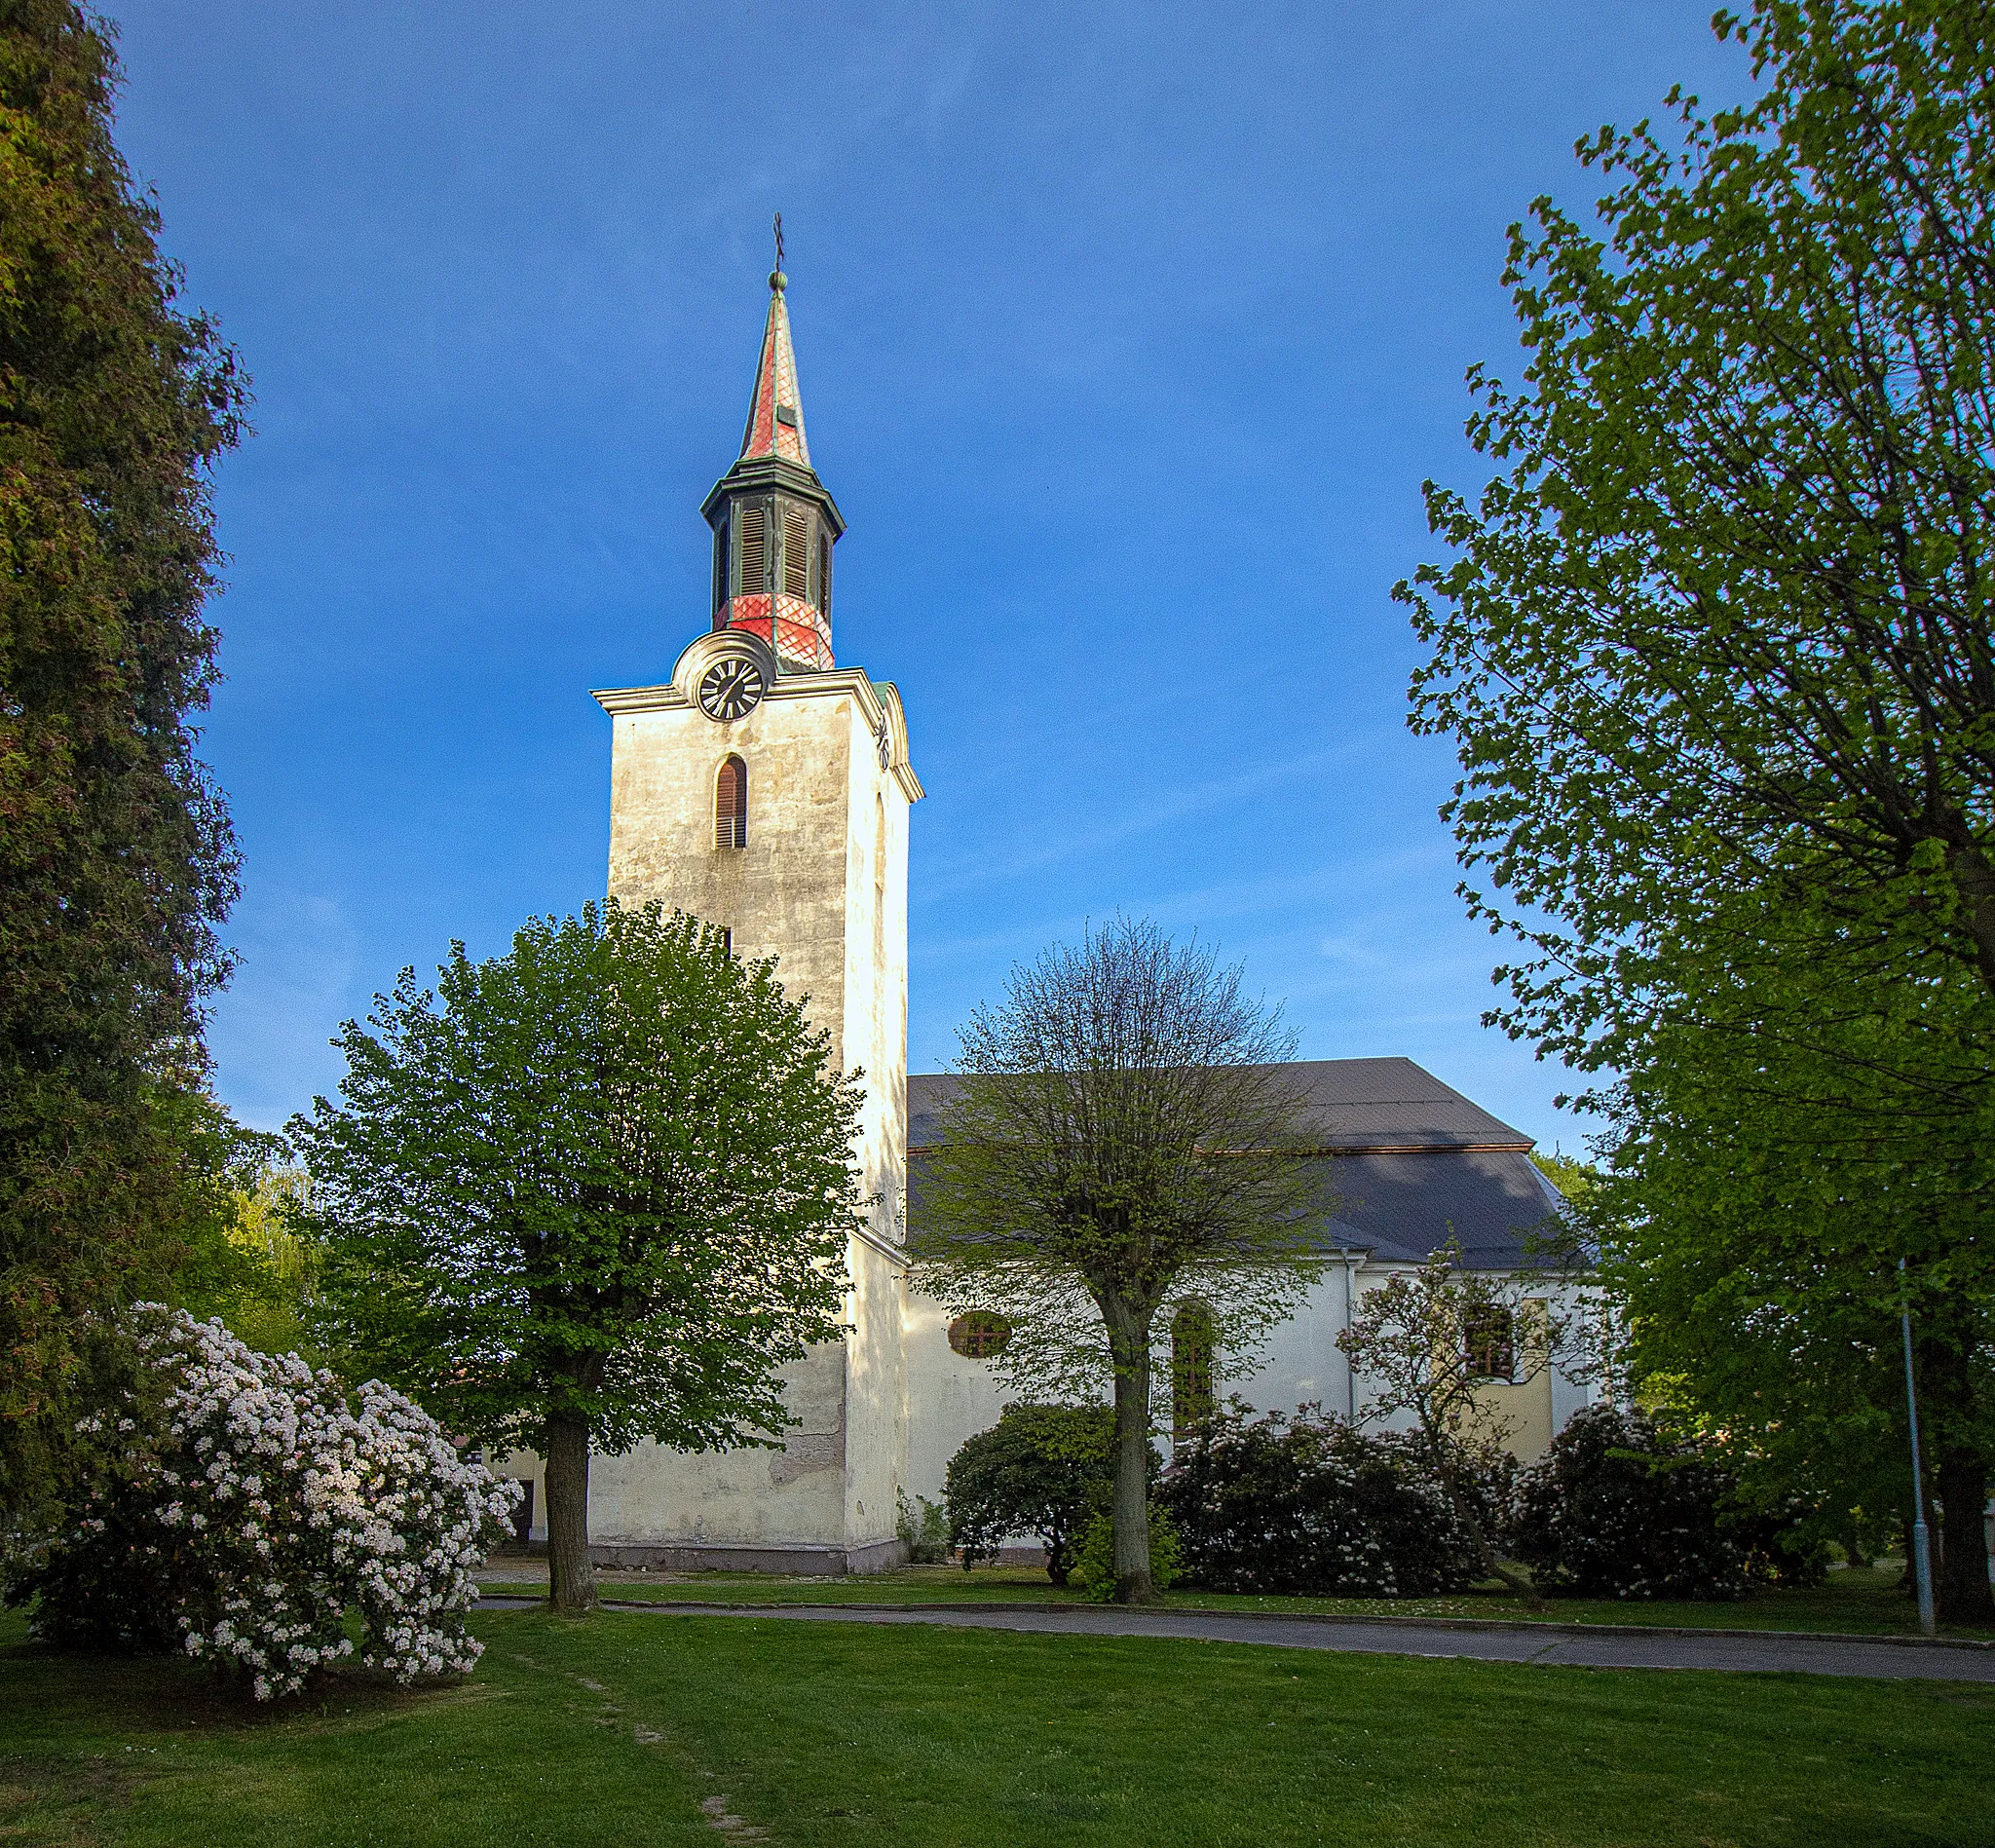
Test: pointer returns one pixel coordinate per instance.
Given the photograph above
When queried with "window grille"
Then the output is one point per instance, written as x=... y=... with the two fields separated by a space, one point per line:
x=1489 y=1341
x=730 y=804
x=979 y=1335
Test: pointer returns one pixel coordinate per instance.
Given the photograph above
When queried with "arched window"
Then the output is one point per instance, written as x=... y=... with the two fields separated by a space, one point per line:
x=730 y=804
x=1192 y=1397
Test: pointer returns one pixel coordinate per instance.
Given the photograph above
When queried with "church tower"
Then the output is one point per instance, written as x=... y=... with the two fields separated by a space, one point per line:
x=766 y=789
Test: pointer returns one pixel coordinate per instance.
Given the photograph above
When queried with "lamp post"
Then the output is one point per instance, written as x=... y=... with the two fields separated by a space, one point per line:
x=1922 y=1539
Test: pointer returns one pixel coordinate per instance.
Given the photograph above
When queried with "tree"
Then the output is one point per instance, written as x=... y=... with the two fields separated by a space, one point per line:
x=597 y=1190
x=1121 y=1140
x=1430 y=1342
x=1723 y=621
x=1809 y=1122
x=1040 y=1469
x=1716 y=650
x=116 y=861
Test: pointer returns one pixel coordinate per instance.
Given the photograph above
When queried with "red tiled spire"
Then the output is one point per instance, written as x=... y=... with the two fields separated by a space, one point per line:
x=776 y=413
x=775 y=524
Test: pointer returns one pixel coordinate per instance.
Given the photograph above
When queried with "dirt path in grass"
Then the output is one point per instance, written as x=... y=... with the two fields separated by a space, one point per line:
x=1569 y=1645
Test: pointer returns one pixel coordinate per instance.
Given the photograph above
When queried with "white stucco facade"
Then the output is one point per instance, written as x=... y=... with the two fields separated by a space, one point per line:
x=820 y=883
x=953 y=1396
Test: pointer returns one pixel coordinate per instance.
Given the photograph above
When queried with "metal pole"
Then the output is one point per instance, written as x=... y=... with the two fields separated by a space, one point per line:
x=1922 y=1538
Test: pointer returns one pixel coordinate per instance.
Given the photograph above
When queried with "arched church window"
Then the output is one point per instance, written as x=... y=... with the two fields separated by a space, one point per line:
x=730 y=804
x=979 y=1335
x=1191 y=1393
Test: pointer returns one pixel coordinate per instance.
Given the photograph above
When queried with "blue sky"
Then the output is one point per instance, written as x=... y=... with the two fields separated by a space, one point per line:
x=1126 y=336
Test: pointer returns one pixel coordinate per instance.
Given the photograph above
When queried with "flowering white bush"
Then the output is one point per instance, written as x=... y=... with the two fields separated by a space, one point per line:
x=261 y=1507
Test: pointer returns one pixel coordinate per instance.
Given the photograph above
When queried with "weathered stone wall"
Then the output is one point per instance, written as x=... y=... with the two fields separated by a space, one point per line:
x=821 y=886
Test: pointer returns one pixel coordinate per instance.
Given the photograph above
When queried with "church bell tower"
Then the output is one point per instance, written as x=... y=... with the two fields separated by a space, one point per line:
x=766 y=789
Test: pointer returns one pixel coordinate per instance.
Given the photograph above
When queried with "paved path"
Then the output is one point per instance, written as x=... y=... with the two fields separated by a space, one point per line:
x=1576 y=1645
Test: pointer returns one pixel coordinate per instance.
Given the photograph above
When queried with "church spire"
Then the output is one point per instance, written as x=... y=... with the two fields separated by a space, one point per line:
x=776 y=413
x=773 y=524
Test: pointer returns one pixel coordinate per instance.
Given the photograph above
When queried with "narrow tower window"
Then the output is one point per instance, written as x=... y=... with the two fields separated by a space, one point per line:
x=823 y=597
x=751 y=521
x=730 y=804
x=1191 y=1395
x=796 y=553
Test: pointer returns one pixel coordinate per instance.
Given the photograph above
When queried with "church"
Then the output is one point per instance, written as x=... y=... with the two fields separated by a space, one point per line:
x=766 y=789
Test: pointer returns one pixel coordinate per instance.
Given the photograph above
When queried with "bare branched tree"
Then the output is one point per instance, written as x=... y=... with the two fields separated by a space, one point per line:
x=1432 y=1341
x=1122 y=1138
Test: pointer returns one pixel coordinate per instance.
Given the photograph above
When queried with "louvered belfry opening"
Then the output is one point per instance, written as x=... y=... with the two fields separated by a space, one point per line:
x=730 y=804
x=752 y=521
x=796 y=553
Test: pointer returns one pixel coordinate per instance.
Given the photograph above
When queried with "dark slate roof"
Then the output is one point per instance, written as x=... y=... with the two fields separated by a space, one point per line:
x=1410 y=1163
x=1400 y=1207
x=1353 y=1104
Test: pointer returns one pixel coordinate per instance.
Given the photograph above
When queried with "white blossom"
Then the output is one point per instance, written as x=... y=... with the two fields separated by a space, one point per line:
x=371 y=1511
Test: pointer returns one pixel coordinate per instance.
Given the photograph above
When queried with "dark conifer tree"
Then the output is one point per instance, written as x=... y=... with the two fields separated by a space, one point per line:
x=116 y=859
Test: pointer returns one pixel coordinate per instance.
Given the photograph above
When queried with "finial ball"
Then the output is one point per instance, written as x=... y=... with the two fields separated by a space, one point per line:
x=777 y=281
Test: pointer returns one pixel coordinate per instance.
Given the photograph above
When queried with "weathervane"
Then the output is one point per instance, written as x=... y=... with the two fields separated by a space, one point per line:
x=776 y=277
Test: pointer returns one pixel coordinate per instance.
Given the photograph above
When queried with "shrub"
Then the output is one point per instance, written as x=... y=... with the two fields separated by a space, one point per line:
x=922 y=1527
x=1044 y=1470
x=1310 y=1505
x=1093 y=1556
x=250 y=1508
x=1617 y=1508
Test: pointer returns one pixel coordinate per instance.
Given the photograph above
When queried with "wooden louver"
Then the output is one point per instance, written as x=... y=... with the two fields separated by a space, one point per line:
x=754 y=550
x=796 y=553
x=730 y=804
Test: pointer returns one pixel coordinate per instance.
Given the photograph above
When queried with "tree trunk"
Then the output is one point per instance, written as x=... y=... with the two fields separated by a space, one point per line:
x=571 y=1578
x=1129 y=1345
x=1963 y=1594
x=1462 y=1499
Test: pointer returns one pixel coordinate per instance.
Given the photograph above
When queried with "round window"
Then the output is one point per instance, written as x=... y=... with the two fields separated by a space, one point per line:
x=979 y=1335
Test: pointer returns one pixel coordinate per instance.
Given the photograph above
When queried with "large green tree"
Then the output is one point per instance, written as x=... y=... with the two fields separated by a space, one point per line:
x=1121 y=1137
x=1724 y=620
x=1799 y=1126
x=595 y=1189
x=1717 y=650
x=116 y=862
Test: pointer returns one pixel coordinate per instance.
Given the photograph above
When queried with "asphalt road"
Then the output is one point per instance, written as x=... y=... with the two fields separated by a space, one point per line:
x=1569 y=1645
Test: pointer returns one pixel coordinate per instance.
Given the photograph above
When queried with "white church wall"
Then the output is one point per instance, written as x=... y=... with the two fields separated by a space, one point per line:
x=1299 y=1363
x=821 y=884
x=951 y=1397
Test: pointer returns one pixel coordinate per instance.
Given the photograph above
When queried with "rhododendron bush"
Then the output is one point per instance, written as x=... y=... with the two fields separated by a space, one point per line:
x=247 y=1508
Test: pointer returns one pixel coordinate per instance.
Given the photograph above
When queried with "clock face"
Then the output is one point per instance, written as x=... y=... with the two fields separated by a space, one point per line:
x=729 y=688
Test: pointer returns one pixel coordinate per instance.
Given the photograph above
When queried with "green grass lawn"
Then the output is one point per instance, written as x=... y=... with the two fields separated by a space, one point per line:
x=628 y=1730
x=1866 y=1601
